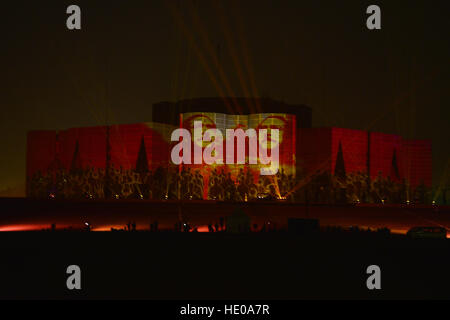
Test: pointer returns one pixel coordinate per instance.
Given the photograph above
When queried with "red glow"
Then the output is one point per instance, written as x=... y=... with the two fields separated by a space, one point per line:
x=23 y=227
x=202 y=229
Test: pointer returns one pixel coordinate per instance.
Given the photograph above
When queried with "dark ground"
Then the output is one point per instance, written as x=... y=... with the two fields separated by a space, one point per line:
x=168 y=265
x=22 y=214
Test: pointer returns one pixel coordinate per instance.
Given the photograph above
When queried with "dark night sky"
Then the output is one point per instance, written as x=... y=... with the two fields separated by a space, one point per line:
x=313 y=52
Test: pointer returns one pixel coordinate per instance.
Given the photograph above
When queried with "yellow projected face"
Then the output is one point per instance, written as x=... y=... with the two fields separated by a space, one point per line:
x=270 y=123
x=207 y=123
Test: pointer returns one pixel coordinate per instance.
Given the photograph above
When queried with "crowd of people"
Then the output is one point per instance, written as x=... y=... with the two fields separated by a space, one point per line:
x=358 y=188
x=189 y=184
x=244 y=187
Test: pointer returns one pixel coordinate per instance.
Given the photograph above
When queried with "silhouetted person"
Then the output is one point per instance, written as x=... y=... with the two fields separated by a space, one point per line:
x=222 y=222
x=210 y=228
x=133 y=226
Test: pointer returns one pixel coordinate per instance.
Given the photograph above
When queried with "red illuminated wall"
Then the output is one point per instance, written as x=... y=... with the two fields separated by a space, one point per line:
x=354 y=149
x=416 y=162
x=41 y=150
x=126 y=142
x=48 y=149
x=382 y=149
x=313 y=150
x=91 y=147
x=413 y=158
x=317 y=149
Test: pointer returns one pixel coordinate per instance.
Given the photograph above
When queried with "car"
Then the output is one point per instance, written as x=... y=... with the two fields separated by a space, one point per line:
x=427 y=232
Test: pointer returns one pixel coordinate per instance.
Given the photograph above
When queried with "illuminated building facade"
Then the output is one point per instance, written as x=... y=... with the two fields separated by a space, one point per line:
x=373 y=153
x=134 y=160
